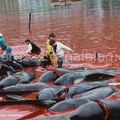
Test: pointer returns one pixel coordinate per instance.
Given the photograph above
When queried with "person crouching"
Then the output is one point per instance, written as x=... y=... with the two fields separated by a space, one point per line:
x=33 y=49
x=10 y=61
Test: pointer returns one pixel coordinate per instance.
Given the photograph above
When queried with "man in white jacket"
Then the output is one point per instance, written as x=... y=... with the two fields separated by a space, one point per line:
x=58 y=51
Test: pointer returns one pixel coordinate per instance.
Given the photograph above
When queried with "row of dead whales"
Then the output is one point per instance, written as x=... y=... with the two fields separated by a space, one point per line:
x=82 y=90
x=22 y=63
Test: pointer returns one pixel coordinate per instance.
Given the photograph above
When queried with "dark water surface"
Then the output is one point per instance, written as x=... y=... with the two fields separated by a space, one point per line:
x=88 y=25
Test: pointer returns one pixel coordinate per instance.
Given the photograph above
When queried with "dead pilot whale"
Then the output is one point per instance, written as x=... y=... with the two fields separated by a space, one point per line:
x=85 y=75
x=94 y=110
x=69 y=104
x=19 y=77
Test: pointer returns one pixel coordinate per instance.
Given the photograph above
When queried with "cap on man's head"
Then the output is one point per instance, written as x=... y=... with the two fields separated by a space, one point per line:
x=1 y=35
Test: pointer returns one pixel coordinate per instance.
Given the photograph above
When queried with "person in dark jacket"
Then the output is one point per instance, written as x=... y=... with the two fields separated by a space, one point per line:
x=32 y=47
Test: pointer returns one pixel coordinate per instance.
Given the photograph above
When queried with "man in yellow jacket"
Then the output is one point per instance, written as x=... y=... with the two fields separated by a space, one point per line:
x=49 y=52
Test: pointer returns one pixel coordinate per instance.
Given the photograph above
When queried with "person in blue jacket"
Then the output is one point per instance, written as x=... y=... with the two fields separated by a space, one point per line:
x=2 y=42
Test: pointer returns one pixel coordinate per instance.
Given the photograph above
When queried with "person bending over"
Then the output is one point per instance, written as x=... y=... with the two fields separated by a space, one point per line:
x=10 y=61
x=33 y=49
x=58 y=50
x=49 y=49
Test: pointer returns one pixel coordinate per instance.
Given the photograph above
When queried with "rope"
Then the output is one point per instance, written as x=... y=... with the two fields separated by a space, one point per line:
x=104 y=107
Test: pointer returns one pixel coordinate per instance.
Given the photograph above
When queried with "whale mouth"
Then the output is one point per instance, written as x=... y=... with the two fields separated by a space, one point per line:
x=61 y=95
x=98 y=76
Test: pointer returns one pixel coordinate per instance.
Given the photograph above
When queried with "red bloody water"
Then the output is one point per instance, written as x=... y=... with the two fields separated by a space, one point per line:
x=88 y=27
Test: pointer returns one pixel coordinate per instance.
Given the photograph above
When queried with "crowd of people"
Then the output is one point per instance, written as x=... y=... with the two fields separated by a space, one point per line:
x=54 y=51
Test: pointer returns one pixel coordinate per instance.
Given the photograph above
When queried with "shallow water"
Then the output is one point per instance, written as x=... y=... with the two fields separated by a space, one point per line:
x=92 y=26
x=88 y=26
